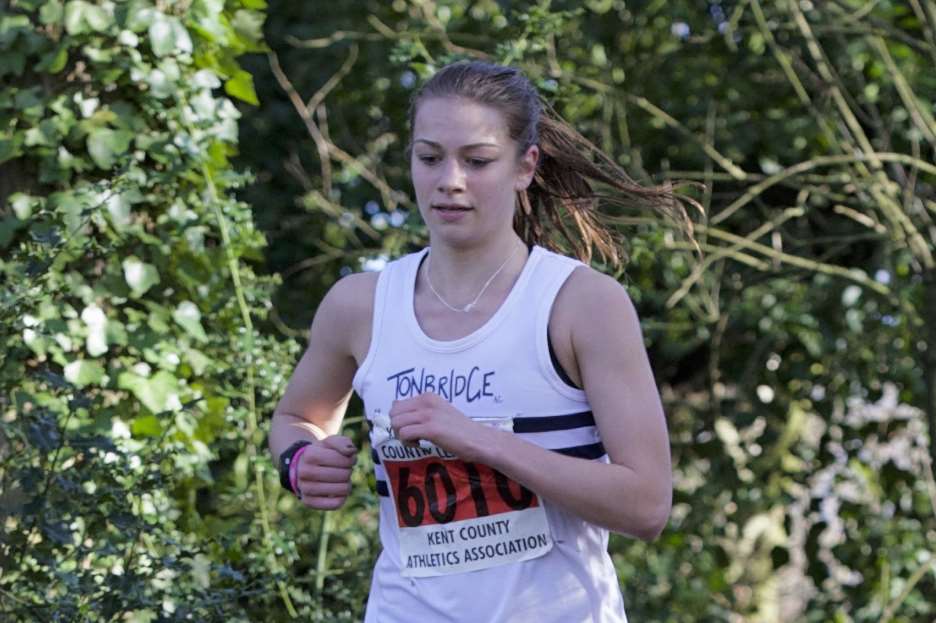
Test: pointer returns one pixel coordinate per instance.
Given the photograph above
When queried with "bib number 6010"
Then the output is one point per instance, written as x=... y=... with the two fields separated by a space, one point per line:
x=476 y=490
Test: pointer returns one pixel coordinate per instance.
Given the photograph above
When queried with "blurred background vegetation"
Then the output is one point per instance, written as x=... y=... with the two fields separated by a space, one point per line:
x=180 y=183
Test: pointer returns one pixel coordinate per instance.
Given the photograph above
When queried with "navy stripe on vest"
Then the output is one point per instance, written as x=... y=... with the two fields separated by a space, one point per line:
x=375 y=456
x=544 y=424
x=590 y=451
x=541 y=424
x=382 y=489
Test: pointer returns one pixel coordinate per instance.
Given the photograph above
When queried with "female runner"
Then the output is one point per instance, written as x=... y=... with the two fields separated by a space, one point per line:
x=514 y=416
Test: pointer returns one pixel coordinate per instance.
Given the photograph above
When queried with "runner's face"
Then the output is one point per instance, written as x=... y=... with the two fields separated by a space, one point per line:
x=465 y=171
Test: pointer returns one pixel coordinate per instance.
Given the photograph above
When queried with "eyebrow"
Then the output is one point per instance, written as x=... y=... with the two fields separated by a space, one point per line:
x=439 y=146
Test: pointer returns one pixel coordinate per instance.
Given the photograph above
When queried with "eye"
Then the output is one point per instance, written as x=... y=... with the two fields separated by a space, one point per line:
x=428 y=159
x=479 y=162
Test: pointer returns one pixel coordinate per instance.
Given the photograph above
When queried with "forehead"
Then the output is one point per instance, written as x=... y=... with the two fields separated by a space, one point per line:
x=456 y=121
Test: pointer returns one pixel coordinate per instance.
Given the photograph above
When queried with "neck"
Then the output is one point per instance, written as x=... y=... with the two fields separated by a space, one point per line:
x=459 y=273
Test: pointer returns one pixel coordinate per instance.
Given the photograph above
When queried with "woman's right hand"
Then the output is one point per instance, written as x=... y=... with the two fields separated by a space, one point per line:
x=324 y=472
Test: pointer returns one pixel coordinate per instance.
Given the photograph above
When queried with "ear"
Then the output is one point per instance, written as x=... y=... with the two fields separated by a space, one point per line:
x=526 y=167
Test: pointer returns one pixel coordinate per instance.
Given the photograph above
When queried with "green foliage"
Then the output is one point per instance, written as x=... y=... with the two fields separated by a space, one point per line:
x=133 y=480
x=143 y=341
x=791 y=357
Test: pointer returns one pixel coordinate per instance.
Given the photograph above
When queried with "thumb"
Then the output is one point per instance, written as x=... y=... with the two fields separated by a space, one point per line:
x=340 y=443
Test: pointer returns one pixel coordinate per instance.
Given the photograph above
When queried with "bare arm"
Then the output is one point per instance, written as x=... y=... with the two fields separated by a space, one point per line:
x=316 y=397
x=633 y=494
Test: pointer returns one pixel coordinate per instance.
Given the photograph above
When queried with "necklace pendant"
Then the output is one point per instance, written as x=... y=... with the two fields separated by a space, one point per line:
x=471 y=305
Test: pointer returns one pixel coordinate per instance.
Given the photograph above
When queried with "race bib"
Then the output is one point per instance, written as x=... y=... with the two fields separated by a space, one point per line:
x=455 y=516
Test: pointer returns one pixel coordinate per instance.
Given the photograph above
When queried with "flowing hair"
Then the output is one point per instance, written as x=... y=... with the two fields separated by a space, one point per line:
x=559 y=210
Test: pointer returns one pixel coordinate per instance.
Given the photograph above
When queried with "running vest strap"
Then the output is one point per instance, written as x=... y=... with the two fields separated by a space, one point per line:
x=452 y=530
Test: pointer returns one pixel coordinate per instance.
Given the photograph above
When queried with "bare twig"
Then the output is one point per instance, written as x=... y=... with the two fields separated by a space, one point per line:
x=922 y=118
x=723 y=252
x=332 y=82
x=793 y=78
x=428 y=8
x=833 y=83
x=305 y=114
x=328 y=150
x=312 y=261
x=808 y=165
x=858 y=276
x=927 y=17
x=335 y=37
x=915 y=577
x=860 y=218
x=723 y=161
x=336 y=211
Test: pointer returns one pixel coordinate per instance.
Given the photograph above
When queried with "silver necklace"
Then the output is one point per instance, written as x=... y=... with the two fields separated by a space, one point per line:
x=469 y=306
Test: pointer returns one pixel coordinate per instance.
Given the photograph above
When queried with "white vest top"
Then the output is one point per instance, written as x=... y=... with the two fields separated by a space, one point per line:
x=461 y=542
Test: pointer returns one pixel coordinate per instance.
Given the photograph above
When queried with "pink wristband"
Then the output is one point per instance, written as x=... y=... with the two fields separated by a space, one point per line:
x=294 y=470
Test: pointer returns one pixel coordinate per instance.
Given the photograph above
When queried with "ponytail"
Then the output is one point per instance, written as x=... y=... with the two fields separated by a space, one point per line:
x=560 y=208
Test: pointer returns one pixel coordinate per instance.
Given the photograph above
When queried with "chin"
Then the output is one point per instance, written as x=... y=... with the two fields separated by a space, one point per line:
x=456 y=240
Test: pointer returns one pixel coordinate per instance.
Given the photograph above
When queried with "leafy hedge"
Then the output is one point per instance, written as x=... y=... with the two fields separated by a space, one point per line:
x=132 y=466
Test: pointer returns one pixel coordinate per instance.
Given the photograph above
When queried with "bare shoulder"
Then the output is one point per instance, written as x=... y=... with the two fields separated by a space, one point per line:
x=591 y=301
x=345 y=313
x=352 y=294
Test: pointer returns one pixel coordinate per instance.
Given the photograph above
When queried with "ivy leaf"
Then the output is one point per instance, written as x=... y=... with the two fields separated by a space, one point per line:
x=141 y=616
x=158 y=393
x=83 y=372
x=209 y=23
x=208 y=7
x=96 y=322
x=249 y=25
x=8 y=228
x=54 y=61
x=10 y=148
x=241 y=86
x=34 y=137
x=167 y=35
x=118 y=207
x=82 y=17
x=160 y=83
x=140 y=15
x=201 y=571
x=197 y=361
x=161 y=39
x=146 y=426
x=139 y=275
x=206 y=79
x=105 y=144
x=96 y=17
x=74 y=17
x=51 y=12
x=189 y=318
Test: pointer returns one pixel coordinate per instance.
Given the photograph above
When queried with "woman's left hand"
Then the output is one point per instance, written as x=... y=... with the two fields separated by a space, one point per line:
x=431 y=417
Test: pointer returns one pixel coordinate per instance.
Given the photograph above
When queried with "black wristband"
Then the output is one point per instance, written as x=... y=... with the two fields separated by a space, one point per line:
x=284 y=460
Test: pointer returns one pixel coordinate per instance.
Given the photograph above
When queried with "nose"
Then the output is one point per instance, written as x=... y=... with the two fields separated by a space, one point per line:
x=451 y=177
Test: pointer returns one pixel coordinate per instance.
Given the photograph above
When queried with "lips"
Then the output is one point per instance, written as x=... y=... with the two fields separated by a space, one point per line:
x=450 y=207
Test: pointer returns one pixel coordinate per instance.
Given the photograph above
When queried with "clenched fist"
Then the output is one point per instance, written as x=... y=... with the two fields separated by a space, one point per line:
x=324 y=472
